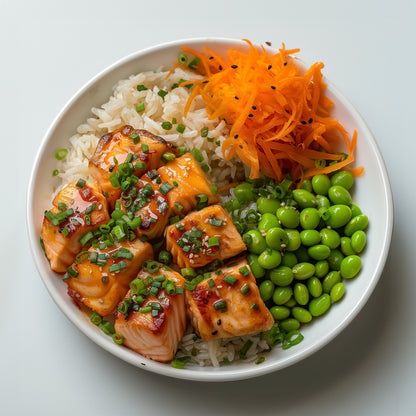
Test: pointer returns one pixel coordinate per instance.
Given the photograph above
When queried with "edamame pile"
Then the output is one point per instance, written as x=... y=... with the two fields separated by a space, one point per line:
x=302 y=243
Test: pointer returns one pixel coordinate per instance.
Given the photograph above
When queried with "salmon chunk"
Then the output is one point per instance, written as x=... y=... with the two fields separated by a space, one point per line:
x=202 y=237
x=154 y=325
x=146 y=202
x=190 y=184
x=228 y=304
x=77 y=209
x=114 y=148
x=101 y=278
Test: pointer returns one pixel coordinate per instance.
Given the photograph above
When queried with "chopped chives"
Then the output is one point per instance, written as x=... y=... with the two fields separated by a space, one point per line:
x=244 y=270
x=166 y=125
x=61 y=154
x=246 y=347
x=211 y=283
x=93 y=257
x=245 y=289
x=145 y=309
x=230 y=279
x=140 y=107
x=117 y=267
x=90 y=208
x=179 y=226
x=165 y=188
x=213 y=241
x=145 y=147
x=220 y=304
x=86 y=238
x=72 y=271
x=65 y=231
x=204 y=132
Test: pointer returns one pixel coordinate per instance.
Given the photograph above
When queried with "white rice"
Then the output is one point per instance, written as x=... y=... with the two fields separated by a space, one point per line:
x=120 y=110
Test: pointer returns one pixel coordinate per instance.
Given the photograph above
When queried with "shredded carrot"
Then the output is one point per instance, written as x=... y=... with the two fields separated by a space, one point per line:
x=279 y=114
x=228 y=186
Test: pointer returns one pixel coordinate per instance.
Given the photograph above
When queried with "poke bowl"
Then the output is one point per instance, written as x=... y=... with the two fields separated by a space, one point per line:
x=86 y=115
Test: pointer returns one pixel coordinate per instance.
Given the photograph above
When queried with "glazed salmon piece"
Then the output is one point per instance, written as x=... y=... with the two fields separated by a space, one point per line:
x=154 y=327
x=228 y=304
x=114 y=148
x=202 y=237
x=191 y=181
x=101 y=278
x=145 y=200
x=76 y=211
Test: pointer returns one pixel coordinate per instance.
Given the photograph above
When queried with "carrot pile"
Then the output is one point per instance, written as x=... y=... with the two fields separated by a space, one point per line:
x=279 y=115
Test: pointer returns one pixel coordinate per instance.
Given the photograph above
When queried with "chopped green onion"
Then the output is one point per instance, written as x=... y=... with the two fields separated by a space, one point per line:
x=118 y=339
x=55 y=172
x=107 y=327
x=137 y=285
x=194 y=63
x=180 y=128
x=204 y=132
x=182 y=150
x=93 y=257
x=119 y=233
x=153 y=266
x=180 y=362
x=204 y=167
x=220 y=304
x=90 y=208
x=114 y=180
x=166 y=125
x=125 y=169
x=197 y=154
x=135 y=137
x=179 y=226
x=188 y=272
x=211 y=283
x=211 y=139
x=213 y=241
x=168 y=156
x=86 y=238
x=145 y=309
x=162 y=93
x=95 y=318
x=244 y=350
x=83 y=255
x=254 y=306
x=260 y=360
x=72 y=271
x=61 y=154
x=183 y=59
x=140 y=107
x=230 y=279
x=244 y=270
x=179 y=206
x=215 y=222
x=179 y=290
x=135 y=222
x=289 y=341
x=80 y=183
x=62 y=206
x=145 y=147
x=245 y=289
x=51 y=217
x=141 y=87
x=218 y=143
x=165 y=188
x=174 y=219
x=140 y=165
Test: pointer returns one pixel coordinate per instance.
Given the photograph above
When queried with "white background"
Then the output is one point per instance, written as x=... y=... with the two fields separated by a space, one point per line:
x=49 y=49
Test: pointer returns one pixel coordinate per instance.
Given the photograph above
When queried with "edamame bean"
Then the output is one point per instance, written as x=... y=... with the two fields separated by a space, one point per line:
x=282 y=294
x=288 y=216
x=339 y=195
x=266 y=205
x=337 y=292
x=338 y=216
x=360 y=222
x=291 y=302
x=281 y=276
x=276 y=238
x=280 y=312
x=321 y=268
x=244 y=192
x=268 y=221
x=319 y=252
x=310 y=237
x=306 y=184
x=321 y=184
x=319 y=306
x=301 y=314
x=335 y=259
x=253 y=261
x=314 y=286
x=330 y=238
x=355 y=210
x=322 y=202
x=302 y=254
x=309 y=218
x=289 y=324
x=350 y=266
x=343 y=178
x=331 y=279
x=303 y=270
x=304 y=198
x=269 y=258
x=294 y=239
x=346 y=246
x=255 y=242
x=289 y=259
x=266 y=290
x=301 y=294
x=358 y=241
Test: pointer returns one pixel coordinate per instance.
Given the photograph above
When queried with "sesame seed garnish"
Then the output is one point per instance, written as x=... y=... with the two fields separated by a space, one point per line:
x=236 y=97
x=269 y=67
x=285 y=64
x=250 y=115
x=303 y=122
x=219 y=322
x=273 y=87
x=236 y=136
x=214 y=332
x=234 y=66
x=240 y=146
x=211 y=57
x=220 y=68
x=254 y=107
x=310 y=121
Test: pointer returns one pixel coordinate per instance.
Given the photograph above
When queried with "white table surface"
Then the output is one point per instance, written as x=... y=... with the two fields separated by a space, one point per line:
x=51 y=48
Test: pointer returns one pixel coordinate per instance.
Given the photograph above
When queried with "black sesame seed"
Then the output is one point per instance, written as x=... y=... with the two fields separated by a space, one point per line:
x=268 y=43
x=219 y=322
x=285 y=64
x=303 y=122
x=310 y=121
x=220 y=68
x=211 y=57
x=234 y=66
x=236 y=97
x=269 y=67
x=241 y=146
x=214 y=332
x=273 y=87
x=254 y=107
x=236 y=136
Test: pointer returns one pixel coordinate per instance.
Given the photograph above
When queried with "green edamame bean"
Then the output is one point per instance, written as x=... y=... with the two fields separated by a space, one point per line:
x=303 y=270
x=319 y=306
x=266 y=290
x=302 y=254
x=310 y=237
x=338 y=216
x=350 y=266
x=360 y=222
x=330 y=238
x=309 y=218
x=321 y=268
x=346 y=246
x=294 y=239
x=301 y=314
x=280 y=312
x=288 y=216
x=306 y=184
x=335 y=259
x=289 y=259
x=331 y=279
x=244 y=192
x=265 y=205
x=253 y=261
x=301 y=294
x=355 y=210
x=291 y=302
x=269 y=258
x=321 y=184
x=322 y=202
x=268 y=221
x=314 y=286
x=276 y=238
x=358 y=241
x=304 y=198
x=282 y=294
x=343 y=178
x=319 y=252
x=289 y=324
x=255 y=242
x=337 y=292
x=281 y=276
x=339 y=195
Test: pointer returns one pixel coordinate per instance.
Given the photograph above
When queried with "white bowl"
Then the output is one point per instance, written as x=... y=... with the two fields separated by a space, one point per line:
x=372 y=193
